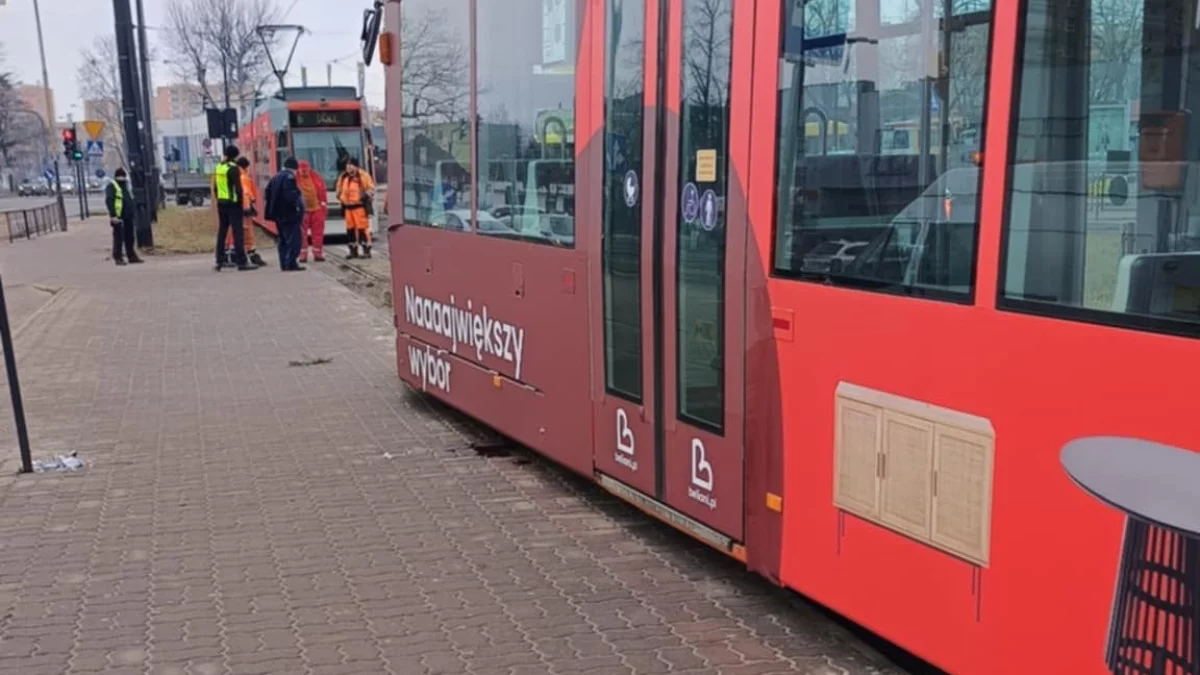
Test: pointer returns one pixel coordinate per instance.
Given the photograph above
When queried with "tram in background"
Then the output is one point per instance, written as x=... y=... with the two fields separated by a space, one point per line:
x=323 y=125
x=850 y=362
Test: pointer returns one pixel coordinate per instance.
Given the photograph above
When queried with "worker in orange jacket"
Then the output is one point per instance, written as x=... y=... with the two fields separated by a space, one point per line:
x=250 y=210
x=355 y=192
x=316 y=207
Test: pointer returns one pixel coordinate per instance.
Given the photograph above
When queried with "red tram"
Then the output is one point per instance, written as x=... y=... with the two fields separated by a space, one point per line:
x=323 y=125
x=826 y=284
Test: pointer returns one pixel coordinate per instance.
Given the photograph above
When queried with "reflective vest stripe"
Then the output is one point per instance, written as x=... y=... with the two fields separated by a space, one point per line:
x=225 y=191
x=118 y=199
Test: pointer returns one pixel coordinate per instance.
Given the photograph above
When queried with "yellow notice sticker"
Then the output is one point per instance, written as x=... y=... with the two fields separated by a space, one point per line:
x=706 y=166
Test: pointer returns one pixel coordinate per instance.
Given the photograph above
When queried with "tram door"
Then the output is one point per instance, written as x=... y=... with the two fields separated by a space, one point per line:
x=671 y=283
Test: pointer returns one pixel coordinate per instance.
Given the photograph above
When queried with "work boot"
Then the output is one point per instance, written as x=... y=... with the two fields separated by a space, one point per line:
x=366 y=250
x=256 y=259
x=353 y=251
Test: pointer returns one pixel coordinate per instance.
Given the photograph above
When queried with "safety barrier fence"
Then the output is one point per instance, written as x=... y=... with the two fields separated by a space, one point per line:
x=33 y=222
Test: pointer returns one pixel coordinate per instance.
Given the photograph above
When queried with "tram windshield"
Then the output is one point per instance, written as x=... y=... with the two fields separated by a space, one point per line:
x=327 y=149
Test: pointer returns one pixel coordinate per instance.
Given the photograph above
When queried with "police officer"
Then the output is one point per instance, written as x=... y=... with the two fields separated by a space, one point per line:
x=227 y=192
x=118 y=199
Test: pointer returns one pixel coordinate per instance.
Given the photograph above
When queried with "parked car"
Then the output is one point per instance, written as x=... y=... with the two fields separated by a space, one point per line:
x=27 y=188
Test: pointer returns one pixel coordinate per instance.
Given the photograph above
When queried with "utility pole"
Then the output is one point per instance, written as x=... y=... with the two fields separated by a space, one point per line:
x=148 y=120
x=134 y=139
x=62 y=208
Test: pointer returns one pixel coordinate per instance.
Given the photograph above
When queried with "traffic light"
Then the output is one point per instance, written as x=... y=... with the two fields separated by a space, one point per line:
x=71 y=144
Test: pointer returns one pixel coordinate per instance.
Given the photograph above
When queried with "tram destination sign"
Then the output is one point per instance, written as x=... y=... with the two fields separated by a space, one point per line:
x=324 y=118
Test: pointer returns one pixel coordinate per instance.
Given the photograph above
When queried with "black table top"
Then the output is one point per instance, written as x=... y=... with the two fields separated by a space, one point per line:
x=1156 y=483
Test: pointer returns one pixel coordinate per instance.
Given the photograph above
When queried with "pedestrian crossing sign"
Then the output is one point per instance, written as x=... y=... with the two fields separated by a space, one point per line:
x=95 y=148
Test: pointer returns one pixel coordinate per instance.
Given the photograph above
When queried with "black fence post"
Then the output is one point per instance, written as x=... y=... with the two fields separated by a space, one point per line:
x=14 y=386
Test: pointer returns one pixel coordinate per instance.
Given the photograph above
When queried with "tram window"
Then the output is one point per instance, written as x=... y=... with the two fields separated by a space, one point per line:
x=703 y=175
x=1103 y=220
x=624 y=115
x=880 y=109
x=435 y=95
x=526 y=124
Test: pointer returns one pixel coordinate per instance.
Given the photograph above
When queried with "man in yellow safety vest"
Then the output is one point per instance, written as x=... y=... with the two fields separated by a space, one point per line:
x=118 y=199
x=227 y=193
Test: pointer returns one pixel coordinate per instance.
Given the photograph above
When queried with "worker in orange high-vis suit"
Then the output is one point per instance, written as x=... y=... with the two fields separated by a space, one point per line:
x=355 y=191
x=316 y=207
x=249 y=211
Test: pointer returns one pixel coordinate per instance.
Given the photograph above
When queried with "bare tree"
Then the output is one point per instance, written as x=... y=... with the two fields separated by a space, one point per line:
x=19 y=129
x=99 y=81
x=706 y=51
x=214 y=43
x=433 y=66
x=1116 y=47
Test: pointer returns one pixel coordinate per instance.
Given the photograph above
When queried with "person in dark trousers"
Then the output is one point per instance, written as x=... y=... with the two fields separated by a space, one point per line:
x=118 y=199
x=227 y=191
x=285 y=207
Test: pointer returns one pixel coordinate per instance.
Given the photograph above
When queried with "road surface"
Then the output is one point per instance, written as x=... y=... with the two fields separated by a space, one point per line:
x=16 y=203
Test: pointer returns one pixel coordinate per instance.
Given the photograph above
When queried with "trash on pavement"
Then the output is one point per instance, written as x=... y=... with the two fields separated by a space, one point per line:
x=61 y=463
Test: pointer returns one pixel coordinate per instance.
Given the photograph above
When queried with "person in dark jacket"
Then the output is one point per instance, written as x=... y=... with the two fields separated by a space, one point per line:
x=118 y=199
x=285 y=207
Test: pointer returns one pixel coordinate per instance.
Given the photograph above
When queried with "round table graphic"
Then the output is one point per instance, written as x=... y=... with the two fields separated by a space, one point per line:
x=1154 y=628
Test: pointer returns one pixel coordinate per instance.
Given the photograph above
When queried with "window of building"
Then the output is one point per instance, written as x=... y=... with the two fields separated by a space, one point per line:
x=436 y=101
x=1103 y=218
x=525 y=65
x=880 y=121
x=703 y=177
x=624 y=115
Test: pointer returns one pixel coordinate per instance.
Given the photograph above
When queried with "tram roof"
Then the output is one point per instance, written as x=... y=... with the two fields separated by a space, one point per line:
x=279 y=101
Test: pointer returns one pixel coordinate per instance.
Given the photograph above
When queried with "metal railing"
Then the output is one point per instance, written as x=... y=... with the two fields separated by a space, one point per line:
x=34 y=221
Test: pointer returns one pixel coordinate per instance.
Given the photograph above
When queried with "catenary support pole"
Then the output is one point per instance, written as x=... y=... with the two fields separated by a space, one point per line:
x=134 y=138
x=14 y=385
x=148 y=119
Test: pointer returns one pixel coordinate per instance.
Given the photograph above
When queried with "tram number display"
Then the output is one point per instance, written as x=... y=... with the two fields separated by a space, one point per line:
x=300 y=119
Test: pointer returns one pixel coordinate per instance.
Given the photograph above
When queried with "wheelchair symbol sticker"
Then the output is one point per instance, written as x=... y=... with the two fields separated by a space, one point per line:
x=690 y=203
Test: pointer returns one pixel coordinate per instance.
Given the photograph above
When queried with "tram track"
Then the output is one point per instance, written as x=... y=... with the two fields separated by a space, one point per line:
x=353 y=273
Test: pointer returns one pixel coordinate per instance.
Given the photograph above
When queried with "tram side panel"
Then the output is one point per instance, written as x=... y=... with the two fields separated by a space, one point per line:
x=924 y=497
x=499 y=330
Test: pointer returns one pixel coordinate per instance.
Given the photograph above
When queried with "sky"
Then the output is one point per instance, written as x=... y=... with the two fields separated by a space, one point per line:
x=70 y=25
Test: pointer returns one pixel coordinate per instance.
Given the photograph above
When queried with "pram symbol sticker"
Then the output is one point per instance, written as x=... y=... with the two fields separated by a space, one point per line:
x=631 y=188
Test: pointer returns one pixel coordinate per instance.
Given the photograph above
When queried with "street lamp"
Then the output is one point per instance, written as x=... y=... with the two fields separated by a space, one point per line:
x=62 y=209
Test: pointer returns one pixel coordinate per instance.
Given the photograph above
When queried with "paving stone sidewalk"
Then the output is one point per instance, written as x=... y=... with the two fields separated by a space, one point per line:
x=246 y=511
